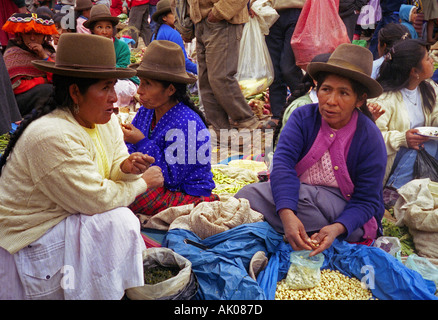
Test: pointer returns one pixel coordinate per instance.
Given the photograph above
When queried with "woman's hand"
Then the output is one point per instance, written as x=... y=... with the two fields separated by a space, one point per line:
x=324 y=238
x=38 y=49
x=294 y=230
x=136 y=163
x=376 y=110
x=131 y=134
x=414 y=140
x=153 y=177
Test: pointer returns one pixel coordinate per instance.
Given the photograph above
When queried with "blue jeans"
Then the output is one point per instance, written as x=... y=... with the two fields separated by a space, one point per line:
x=403 y=167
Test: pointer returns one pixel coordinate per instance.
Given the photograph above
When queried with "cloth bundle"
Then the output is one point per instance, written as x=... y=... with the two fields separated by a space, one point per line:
x=207 y=218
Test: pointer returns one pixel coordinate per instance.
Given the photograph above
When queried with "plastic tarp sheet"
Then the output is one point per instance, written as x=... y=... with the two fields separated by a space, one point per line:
x=222 y=269
x=221 y=266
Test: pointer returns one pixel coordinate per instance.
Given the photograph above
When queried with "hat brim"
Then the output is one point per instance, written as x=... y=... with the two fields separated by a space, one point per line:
x=155 y=75
x=374 y=88
x=158 y=13
x=117 y=73
x=114 y=21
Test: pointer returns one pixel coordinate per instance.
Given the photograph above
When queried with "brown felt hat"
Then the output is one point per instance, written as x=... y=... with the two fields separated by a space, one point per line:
x=85 y=56
x=100 y=12
x=163 y=6
x=164 y=60
x=83 y=5
x=350 y=61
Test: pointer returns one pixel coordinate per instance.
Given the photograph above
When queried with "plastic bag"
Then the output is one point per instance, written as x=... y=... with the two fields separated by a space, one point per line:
x=255 y=71
x=370 y=14
x=391 y=245
x=266 y=15
x=183 y=286
x=426 y=166
x=423 y=266
x=319 y=30
x=304 y=271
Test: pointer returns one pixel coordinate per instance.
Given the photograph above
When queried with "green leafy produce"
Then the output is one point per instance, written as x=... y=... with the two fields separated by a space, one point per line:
x=159 y=274
x=402 y=233
x=4 y=140
x=225 y=184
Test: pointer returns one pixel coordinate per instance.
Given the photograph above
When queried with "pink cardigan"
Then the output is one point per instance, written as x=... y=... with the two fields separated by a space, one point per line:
x=337 y=143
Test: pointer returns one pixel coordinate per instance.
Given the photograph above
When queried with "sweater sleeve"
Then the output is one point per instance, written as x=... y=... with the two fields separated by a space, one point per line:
x=68 y=175
x=393 y=124
x=285 y=183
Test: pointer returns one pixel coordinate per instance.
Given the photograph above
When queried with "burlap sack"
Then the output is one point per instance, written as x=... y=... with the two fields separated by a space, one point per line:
x=417 y=208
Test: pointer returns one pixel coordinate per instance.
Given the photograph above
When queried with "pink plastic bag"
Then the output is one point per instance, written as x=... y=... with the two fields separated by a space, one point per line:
x=319 y=30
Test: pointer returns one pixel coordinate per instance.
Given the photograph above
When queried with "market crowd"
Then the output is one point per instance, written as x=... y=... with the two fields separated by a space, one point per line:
x=346 y=128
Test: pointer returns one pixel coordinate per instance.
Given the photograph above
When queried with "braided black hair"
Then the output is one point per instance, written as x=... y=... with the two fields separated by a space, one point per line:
x=182 y=96
x=59 y=99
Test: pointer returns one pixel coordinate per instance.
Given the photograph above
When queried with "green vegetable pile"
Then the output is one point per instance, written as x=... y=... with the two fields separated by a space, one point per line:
x=402 y=233
x=159 y=274
x=4 y=140
x=225 y=184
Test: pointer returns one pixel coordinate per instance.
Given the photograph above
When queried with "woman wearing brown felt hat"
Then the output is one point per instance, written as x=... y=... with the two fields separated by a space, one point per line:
x=69 y=165
x=167 y=121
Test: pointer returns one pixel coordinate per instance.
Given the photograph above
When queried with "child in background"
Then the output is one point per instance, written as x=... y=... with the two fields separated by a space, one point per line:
x=408 y=14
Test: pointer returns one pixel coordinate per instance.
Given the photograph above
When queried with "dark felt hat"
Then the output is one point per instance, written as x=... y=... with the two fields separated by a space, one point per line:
x=85 y=56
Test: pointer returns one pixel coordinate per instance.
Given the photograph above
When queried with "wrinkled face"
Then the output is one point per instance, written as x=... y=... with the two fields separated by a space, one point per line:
x=104 y=29
x=96 y=105
x=32 y=37
x=153 y=94
x=337 y=101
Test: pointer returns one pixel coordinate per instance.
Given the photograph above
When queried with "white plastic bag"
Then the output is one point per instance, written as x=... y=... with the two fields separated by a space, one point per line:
x=266 y=15
x=390 y=245
x=423 y=266
x=304 y=271
x=255 y=72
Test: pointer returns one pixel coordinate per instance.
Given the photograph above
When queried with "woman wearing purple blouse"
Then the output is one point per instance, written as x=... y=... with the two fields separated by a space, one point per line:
x=328 y=167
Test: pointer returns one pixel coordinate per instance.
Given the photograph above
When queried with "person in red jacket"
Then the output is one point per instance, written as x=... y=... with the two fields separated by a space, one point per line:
x=116 y=7
x=139 y=18
x=31 y=42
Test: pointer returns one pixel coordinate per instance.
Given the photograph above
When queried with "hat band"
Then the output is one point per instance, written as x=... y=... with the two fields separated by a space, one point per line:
x=83 y=66
x=161 y=68
x=345 y=64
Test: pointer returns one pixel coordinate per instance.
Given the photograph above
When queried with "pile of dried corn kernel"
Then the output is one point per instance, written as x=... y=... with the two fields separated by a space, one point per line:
x=333 y=286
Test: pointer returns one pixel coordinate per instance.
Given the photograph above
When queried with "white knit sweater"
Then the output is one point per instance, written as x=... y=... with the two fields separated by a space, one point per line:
x=53 y=172
x=395 y=122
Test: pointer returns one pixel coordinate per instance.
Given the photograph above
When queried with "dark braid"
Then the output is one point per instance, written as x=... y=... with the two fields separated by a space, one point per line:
x=60 y=98
x=181 y=96
x=158 y=24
